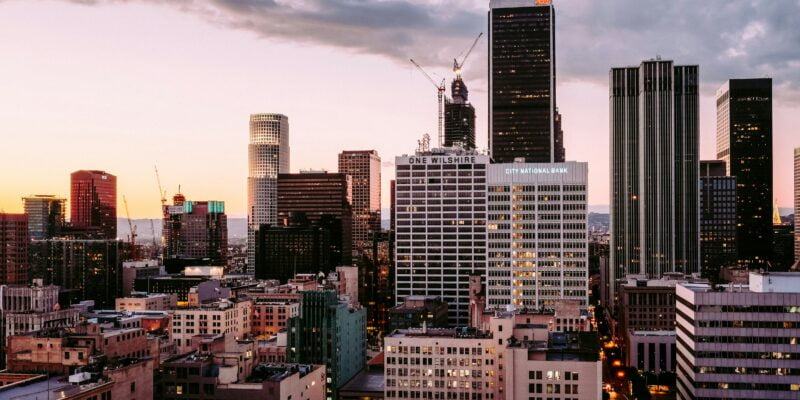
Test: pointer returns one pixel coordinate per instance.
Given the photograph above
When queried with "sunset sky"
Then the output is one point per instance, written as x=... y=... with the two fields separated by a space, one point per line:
x=125 y=85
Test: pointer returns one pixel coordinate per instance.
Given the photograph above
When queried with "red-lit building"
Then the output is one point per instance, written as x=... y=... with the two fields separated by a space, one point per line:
x=13 y=249
x=93 y=202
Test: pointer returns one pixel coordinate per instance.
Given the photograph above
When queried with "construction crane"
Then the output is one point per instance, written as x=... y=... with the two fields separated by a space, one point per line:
x=132 y=236
x=440 y=88
x=457 y=66
x=161 y=191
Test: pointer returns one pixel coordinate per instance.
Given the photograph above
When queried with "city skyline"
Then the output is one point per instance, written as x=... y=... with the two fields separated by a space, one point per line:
x=87 y=103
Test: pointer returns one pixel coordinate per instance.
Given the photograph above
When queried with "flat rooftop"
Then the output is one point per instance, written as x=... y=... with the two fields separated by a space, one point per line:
x=456 y=333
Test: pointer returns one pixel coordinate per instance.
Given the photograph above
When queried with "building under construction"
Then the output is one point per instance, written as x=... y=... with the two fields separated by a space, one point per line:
x=196 y=230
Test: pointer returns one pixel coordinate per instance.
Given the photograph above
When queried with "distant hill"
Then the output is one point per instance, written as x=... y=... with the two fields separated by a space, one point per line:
x=237 y=228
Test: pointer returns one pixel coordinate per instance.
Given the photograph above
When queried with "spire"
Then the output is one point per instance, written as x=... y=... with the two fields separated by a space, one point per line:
x=776 y=215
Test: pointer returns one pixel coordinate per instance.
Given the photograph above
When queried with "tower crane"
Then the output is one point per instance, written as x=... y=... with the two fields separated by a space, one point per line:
x=440 y=88
x=132 y=237
x=457 y=66
x=161 y=191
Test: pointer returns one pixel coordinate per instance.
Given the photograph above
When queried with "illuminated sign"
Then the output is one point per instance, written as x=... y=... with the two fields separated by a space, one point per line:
x=443 y=160
x=537 y=170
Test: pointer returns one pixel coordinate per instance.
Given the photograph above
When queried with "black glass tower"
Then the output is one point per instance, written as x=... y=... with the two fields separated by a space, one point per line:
x=744 y=142
x=522 y=81
x=717 y=219
x=459 y=117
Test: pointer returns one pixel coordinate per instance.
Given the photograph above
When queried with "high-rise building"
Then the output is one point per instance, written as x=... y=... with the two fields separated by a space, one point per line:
x=739 y=341
x=328 y=331
x=46 y=215
x=364 y=169
x=654 y=169
x=90 y=268
x=300 y=247
x=440 y=218
x=93 y=203
x=744 y=142
x=325 y=199
x=267 y=156
x=797 y=205
x=196 y=230
x=14 y=242
x=459 y=117
x=537 y=236
x=522 y=81
x=717 y=219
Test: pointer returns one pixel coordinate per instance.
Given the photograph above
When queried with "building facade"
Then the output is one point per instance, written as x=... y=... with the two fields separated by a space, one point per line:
x=93 y=203
x=46 y=215
x=89 y=268
x=14 y=242
x=537 y=236
x=717 y=219
x=285 y=251
x=267 y=156
x=221 y=317
x=440 y=220
x=739 y=341
x=325 y=199
x=522 y=81
x=417 y=311
x=797 y=204
x=328 y=332
x=654 y=169
x=744 y=142
x=196 y=230
x=364 y=169
x=139 y=301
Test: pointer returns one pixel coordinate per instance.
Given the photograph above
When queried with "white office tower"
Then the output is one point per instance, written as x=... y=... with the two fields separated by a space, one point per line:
x=739 y=341
x=537 y=236
x=440 y=220
x=267 y=156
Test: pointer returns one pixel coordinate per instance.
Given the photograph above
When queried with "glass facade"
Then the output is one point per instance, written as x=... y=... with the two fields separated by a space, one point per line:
x=93 y=202
x=717 y=219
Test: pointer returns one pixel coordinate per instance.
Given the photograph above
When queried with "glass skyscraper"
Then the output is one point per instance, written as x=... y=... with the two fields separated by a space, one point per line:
x=93 y=203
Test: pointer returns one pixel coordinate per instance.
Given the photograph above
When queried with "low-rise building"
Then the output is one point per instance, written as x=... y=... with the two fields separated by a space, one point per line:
x=270 y=316
x=140 y=301
x=417 y=310
x=214 y=318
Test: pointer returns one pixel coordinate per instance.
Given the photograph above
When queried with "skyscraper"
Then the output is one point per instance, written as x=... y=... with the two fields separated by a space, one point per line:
x=459 y=117
x=196 y=230
x=325 y=199
x=654 y=169
x=364 y=169
x=744 y=142
x=267 y=156
x=717 y=219
x=13 y=249
x=93 y=203
x=537 y=235
x=440 y=221
x=46 y=215
x=522 y=81
x=797 y=205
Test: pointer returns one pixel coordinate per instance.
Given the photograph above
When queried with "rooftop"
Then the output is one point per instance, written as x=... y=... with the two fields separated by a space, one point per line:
x=457 y=333
x=278 y=372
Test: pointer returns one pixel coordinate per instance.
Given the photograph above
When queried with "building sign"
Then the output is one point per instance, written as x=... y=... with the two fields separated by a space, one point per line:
x=537 y=170
x=443 y=160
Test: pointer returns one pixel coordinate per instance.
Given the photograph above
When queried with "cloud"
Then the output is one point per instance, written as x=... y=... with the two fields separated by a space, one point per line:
x=727 y=39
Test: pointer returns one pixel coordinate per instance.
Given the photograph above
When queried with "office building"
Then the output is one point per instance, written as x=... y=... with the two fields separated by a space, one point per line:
x=459 y=117
x=90 y=268
x=522 y=81
x=267 y=156
x=797 y=204
x=325 y=199
x=364 y=169
x=213 y=318
x=301 y=247
x=417 y=311
x=141 y=301
x=739 y=341
x=537 y=236
x=14 y=242
x=46 y=215
x=93 y=203
x=269 y=315
x=782 y=247
x=328 y=332
x=654 y=169
x=717 y=219
x=744 y=142
x=440 y=220
x=196 y=230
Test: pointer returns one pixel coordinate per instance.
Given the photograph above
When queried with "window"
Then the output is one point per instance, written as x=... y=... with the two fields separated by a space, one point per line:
x=66 y=355
x=133 y=387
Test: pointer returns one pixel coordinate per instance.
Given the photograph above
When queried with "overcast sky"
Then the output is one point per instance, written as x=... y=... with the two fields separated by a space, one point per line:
x=123 y=85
